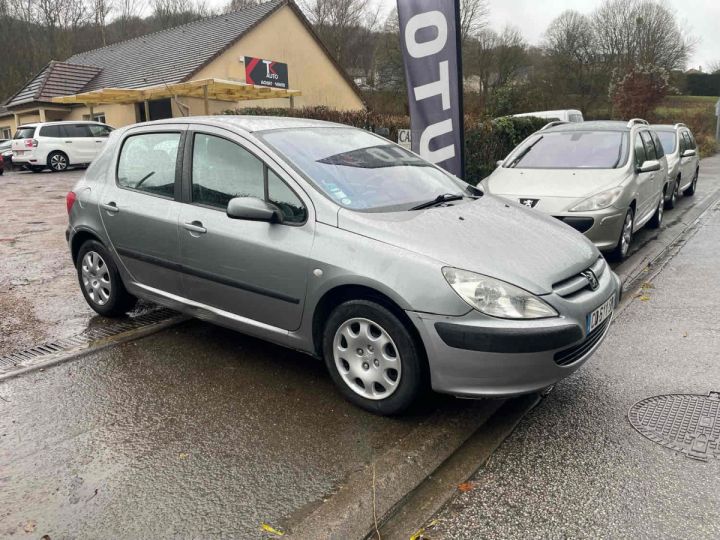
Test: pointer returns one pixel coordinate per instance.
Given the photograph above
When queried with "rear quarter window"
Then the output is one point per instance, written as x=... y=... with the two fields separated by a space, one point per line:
x=25 y=133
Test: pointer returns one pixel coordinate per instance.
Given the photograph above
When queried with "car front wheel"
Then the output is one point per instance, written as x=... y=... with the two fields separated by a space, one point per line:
x=100 y=281
x=670 y=203
x=690 y=190
x=372 y=357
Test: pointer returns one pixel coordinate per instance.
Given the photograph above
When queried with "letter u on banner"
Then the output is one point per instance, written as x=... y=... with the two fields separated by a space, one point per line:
x=430 y=45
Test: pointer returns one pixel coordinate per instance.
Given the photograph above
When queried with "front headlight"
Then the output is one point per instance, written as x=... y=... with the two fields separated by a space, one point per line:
x=496 y=298
x=599 y=201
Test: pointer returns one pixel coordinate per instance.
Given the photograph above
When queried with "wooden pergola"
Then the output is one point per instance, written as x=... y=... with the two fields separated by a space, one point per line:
x=206 y=89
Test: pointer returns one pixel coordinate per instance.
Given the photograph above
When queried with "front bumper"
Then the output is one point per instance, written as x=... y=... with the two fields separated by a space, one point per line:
x=601 y=227
x=480 y=356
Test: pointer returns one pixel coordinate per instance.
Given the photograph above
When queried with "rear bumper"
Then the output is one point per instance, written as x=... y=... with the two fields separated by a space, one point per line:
x=479 y=356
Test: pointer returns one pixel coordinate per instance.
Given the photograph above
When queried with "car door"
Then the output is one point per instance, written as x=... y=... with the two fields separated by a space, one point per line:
x=653 y=181
x=643 y=179
x=252 y=269
x=78 y=143
x=140 y=208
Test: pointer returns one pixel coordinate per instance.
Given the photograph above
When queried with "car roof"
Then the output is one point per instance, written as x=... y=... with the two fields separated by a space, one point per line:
x=594 y=125
x=60 y=122
x=668 y=127
x=251 y=123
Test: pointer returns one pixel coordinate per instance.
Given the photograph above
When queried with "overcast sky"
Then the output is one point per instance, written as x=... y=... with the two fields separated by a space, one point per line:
x=700 y=18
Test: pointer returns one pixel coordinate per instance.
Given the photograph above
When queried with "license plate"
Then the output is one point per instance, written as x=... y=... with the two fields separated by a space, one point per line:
x=19 y=152
x=597 y=317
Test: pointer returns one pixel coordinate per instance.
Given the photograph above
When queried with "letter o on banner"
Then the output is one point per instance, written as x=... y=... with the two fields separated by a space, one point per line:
x=426 y=20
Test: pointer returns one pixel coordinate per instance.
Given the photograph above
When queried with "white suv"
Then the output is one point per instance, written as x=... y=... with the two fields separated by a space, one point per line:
x=58 y=145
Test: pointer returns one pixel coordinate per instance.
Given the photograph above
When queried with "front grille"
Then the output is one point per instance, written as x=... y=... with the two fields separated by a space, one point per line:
x=578 y=282
x=576 y=352
x=580 y=224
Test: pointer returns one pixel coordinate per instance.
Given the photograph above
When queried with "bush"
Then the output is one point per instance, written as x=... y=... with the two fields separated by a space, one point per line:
x=486 y=141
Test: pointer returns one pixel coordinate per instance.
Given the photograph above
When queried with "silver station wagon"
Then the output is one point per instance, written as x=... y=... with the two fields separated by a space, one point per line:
x=335 y=242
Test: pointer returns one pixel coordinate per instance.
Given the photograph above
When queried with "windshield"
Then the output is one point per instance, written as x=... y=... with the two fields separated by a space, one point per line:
x=667 y=138
x=359 y=170
x=571 y=150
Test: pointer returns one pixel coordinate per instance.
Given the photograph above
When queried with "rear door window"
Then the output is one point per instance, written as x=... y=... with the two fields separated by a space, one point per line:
x=77 y=130
x=688 y=143
x=147 y=163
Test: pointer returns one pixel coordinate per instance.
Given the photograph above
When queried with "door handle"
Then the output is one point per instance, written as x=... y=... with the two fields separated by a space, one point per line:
x=68 y=142
x=110 y=207
x=196 y=227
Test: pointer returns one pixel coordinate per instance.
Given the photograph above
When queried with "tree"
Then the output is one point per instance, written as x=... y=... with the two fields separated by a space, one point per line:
x=637 y=93
x=633 y=32
x=574 y=65
x=473 y=18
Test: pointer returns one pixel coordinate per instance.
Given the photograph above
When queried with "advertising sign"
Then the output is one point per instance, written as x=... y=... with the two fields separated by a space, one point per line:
x=266 y=72
x=429 y=36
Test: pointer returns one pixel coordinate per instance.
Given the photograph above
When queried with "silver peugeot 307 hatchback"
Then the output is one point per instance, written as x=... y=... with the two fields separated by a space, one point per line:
x=334 y=241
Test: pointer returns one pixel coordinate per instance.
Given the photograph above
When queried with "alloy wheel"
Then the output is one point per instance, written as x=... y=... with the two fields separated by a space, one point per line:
x=58 y=162
x=96 y=278
x=367 y=359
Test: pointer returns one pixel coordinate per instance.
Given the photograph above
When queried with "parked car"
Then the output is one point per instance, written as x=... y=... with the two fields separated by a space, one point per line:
x=683 y=160
x=6 y=153
x=566 y=115
x=58 y=145
x=336 y=242
x=606 y=179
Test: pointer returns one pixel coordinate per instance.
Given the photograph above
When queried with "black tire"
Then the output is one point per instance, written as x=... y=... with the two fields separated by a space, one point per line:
x=58 y=161
x=412 y=375
x=621 y=250
x=118 y=301
x=657 y=219
x=672 y=201
x=690 y=190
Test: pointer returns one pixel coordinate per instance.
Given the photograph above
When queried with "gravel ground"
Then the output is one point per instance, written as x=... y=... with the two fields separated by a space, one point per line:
x=39 y=296
x=575 y=467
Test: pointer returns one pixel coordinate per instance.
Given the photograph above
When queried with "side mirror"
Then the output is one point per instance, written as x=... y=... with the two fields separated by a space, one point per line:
x=651 y=165
x=689 y=153
x=253 y=209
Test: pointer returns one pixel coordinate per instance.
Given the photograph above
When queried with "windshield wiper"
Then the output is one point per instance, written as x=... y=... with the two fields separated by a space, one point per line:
x=445 y=197
x=523 y=153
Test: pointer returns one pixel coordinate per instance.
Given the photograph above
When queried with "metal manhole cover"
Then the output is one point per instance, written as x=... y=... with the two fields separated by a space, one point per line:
x=687 y=423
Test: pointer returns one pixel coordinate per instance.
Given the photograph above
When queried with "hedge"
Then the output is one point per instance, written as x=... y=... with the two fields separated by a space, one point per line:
x=486 y=140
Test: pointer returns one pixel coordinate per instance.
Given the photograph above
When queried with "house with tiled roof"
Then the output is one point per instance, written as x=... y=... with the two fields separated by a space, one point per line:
x=266 y=55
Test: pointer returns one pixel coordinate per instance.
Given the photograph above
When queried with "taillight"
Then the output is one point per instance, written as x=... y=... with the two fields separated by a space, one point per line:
x=31 y=143
x=70 y=200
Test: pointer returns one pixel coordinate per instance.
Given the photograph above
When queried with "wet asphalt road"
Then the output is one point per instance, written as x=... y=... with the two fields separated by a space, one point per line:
x=574 y=467
x=193 y=432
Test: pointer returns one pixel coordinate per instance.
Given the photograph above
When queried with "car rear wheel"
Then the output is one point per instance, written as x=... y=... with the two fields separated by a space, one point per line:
x=656 y=220
x=372 y=357
x=690 y=191
x=670 y=203
x=626 y=235
x=100 y=281
x=58 y=161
